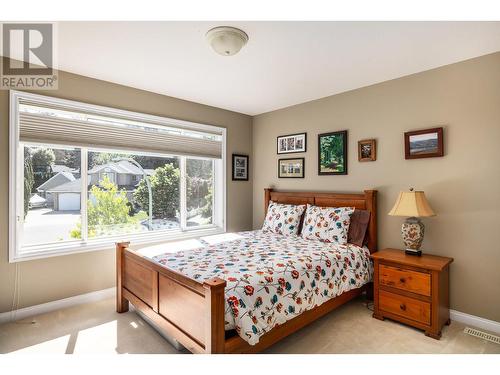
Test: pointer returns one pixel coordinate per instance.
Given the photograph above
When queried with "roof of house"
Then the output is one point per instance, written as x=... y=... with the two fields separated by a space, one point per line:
x=74 y=186
x=56 y=180
x=56 y=168
x=122 y=166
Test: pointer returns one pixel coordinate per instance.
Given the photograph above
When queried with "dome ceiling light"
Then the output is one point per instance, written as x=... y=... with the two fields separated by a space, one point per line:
x=226 y=40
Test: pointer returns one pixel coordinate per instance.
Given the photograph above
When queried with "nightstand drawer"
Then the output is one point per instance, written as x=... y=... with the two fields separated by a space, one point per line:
x=400 y=278
x=405 y=306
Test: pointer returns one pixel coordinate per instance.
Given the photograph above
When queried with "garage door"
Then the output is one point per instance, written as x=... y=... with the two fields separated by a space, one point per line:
x=69 y=202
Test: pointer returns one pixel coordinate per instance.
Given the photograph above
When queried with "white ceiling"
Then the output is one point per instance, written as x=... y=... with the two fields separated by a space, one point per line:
x=284 y=63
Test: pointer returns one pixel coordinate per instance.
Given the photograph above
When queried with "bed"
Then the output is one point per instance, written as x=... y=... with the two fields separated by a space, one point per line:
x=244 y=294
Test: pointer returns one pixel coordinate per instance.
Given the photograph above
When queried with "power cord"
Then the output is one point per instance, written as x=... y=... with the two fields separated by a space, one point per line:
x=17 y=296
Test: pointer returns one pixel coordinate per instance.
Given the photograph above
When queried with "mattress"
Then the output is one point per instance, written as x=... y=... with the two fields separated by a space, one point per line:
x=272 y=278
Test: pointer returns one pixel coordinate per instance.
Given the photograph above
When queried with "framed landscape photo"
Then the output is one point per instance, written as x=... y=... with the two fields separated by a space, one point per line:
x=367 y=150
x=332 y=153
x=240 y=167
x=426 y=143
x=287 y=144
x=291 y=168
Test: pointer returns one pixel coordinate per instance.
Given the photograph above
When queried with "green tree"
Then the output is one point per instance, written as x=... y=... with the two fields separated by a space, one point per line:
x=198 y=183
x=197 y=192
x=153 y=162
x=199 y=168
x=207 y=211
x=43 y=159
x=100 y=158
x=145 y=161
x=165 y=190
x=29 y=179
x=108 y=211
x=71 y=158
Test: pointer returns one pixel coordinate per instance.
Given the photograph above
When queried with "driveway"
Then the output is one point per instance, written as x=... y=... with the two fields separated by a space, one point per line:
x=43 y=225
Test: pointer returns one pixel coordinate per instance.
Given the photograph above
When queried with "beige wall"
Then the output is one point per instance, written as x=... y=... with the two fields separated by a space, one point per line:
x=64 y=276
x=463 y=187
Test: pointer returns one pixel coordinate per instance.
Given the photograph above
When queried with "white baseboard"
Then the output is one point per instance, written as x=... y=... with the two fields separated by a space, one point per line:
x=472 y=320
x=475 y=321
x=56 y=305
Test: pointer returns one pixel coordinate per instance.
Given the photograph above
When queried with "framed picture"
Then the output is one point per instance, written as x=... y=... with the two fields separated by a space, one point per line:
x=367 y=150
x=332 y=153
x=287 y=144
x=426 y=143
x=291 y=168
x=240 y=167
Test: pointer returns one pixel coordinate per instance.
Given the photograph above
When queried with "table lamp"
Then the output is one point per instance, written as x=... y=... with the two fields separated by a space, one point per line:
x=412 y=204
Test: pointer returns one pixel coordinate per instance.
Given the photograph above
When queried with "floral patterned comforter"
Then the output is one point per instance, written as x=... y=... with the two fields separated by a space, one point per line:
x=272 y=278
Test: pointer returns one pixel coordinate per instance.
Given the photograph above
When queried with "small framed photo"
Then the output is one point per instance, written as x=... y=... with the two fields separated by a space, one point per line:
x=240 y=167
x=291 y=168
x=426 y=143
x=367 y=150
x=332 y=153
x=287 y=144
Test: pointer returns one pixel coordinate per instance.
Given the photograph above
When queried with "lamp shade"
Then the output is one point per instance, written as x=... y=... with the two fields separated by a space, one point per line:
x=412 y=204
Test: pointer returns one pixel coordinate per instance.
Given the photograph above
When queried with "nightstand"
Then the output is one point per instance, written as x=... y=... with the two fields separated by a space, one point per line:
x=412 y=289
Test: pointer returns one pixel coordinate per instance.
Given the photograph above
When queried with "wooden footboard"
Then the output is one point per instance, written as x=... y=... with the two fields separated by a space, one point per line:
x=186 y=310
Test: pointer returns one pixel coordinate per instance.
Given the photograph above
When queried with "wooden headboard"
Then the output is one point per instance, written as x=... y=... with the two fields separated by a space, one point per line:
x=362 y=201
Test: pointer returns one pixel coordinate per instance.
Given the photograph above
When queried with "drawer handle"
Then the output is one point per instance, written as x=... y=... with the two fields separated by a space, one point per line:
x=402 y=307
x=403 y=280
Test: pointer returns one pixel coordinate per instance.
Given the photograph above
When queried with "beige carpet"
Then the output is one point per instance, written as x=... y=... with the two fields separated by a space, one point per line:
x=96 y=328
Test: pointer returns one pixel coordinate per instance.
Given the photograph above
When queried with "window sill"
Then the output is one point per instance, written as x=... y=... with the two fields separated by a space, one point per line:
x=52 y=250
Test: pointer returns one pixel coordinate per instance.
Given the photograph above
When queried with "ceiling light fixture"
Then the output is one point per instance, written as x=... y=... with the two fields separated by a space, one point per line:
x=226 y=40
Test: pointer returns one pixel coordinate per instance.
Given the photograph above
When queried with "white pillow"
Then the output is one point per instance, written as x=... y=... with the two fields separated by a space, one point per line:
x=283 y=218
x=327 y=224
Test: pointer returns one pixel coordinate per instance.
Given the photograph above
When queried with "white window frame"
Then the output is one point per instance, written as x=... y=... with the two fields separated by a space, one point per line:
x=16 y=188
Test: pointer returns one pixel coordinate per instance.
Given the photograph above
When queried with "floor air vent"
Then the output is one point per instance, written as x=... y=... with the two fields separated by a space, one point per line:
x=482 y=335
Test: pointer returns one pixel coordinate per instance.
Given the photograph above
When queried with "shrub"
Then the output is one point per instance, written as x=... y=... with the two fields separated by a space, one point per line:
x=108 y=211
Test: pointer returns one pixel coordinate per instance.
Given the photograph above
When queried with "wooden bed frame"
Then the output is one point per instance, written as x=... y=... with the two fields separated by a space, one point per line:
x=192 y=312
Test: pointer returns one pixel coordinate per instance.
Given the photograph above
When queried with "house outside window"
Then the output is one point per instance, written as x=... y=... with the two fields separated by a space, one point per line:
x=72 y=197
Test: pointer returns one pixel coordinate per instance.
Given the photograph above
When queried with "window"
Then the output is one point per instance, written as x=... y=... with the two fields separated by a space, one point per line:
x=154 y=179
x=106 y=176
x=200 y=182
x=51 y=200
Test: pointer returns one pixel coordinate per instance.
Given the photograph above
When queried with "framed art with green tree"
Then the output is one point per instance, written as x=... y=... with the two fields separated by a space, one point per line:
x=332 y=153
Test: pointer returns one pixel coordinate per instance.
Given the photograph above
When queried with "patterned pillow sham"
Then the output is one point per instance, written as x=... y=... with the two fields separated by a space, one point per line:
x=327 y=224
x=283 y=218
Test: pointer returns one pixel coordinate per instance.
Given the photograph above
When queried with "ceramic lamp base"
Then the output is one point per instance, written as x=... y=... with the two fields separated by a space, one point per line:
x=412 y=232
